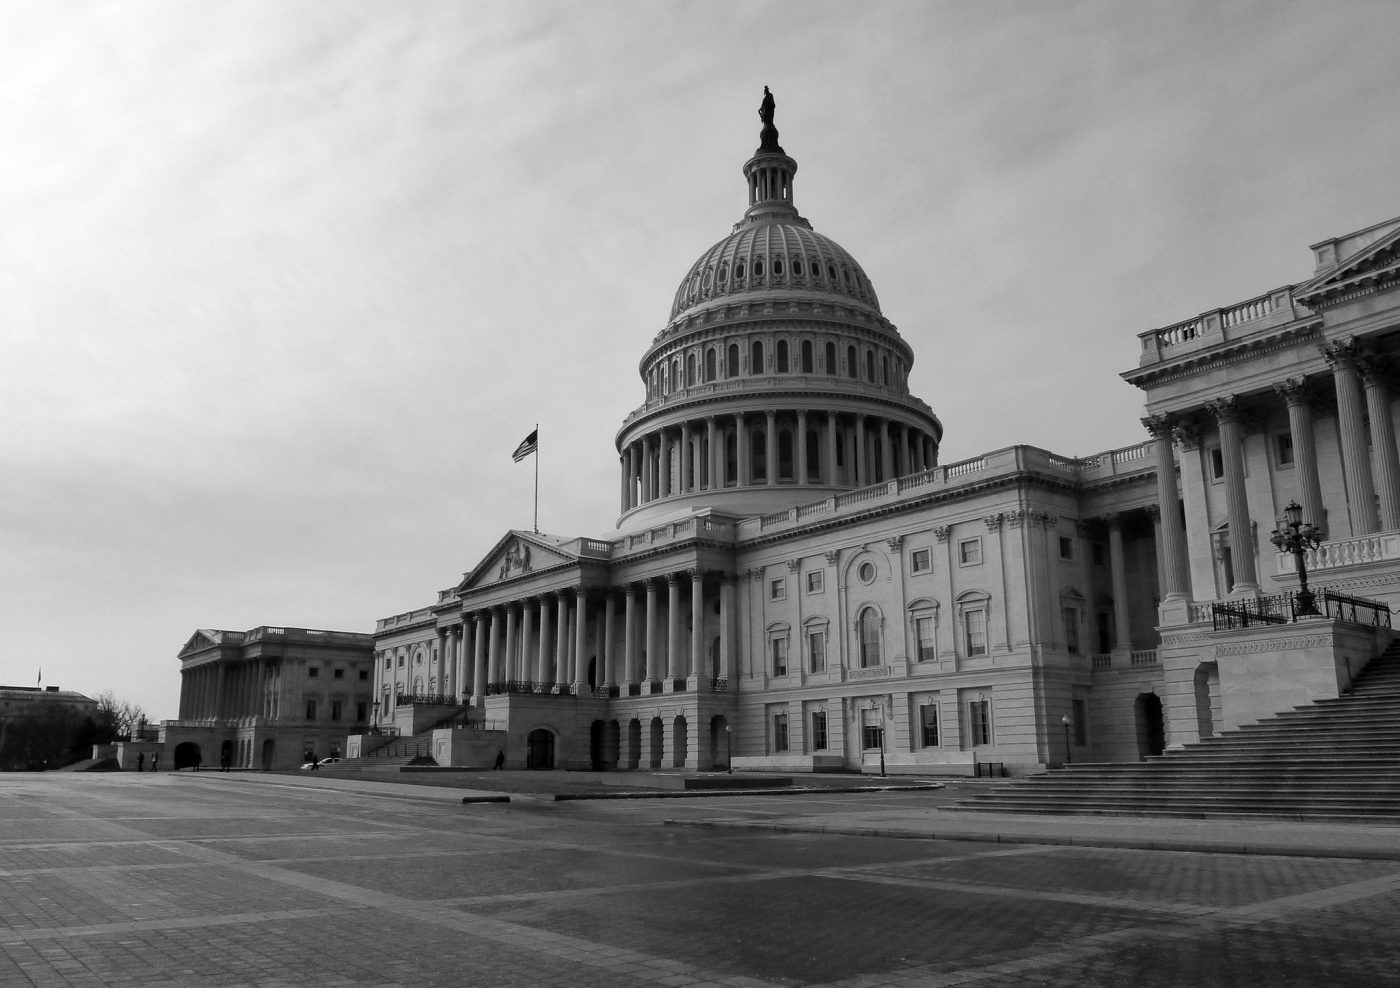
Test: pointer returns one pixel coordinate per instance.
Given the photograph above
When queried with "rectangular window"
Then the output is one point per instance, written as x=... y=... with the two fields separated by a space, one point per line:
x=780 y=652
x=1066 y=548
x=921 y=560
x=1283 y=449
x=388 y=662
x=361 y=711
x=313 y=672
x=310 y=709
x=928 y=725
x=872 y=730
x=923 y=630
x=816 y=648
x=777 y=589
x=819 y=730
x=1217 y=463
x=780 y=732
x=1072 y=630
x=975 y=630
x=1099 y=554
x=979 y=716
x=1081 y=722
x=364 y=675
x=400 y=661
x=337 y=707
x=815 y=581
x=339 y=674
x=970 y=552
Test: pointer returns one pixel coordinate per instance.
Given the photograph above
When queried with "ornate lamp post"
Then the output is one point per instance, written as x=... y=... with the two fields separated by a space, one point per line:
x=1069 y=754
x=1297 y=536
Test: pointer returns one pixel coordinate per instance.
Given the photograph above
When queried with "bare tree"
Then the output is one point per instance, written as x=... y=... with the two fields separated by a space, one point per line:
x=117 y=720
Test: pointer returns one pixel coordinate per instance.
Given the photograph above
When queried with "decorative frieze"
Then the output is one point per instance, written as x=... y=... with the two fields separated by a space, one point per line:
x=1272 y=645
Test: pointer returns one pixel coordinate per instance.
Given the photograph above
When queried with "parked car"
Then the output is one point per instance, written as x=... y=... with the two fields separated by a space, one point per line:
x=311 y=766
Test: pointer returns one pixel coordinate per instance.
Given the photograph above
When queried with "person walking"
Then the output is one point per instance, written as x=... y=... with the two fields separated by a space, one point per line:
x=155 y=760
x=140 y=760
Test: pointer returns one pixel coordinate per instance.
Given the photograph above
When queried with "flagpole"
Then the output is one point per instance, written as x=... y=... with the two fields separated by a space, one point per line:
x=537 y=478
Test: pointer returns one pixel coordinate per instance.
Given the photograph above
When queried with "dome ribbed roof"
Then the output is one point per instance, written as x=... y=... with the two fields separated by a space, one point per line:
x=763 y=257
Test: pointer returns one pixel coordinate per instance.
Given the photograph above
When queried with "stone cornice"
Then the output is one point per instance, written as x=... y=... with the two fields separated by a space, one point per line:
x=1225 y=354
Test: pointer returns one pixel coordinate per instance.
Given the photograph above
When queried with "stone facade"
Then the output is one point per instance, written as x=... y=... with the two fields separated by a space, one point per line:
x=269 y=698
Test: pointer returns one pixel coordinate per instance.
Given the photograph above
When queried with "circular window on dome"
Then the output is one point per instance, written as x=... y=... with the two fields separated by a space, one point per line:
x=865 y=572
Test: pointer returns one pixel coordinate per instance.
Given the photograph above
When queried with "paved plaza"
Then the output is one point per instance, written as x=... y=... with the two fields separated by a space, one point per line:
x=230 y=880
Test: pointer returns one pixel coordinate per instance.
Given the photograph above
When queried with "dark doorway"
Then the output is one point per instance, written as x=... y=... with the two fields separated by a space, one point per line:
x=1151 y=729
x=540 y=749
x=595 y=745
x=269 y=749
x=187 y=755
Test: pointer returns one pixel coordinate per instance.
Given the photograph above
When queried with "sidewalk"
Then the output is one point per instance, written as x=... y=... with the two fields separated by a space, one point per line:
x=933 y=817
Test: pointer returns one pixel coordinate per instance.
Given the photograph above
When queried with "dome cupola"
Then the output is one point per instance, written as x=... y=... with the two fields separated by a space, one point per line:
x=776 y=379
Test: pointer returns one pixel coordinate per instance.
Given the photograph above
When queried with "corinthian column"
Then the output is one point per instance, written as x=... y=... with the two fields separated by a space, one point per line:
x=1387 y=465
x=1294 y=391
x=1176 y=583
x=1227 y=413
x=1356 y=459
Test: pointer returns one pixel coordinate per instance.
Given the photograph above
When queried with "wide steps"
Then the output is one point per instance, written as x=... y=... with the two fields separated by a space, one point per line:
x=1337 y=759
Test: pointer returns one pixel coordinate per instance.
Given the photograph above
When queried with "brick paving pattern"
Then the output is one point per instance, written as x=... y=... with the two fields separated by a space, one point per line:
x=225 y=880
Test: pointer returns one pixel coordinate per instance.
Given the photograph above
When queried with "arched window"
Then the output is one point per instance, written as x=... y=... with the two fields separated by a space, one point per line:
x=756 y=358
x=870 y=366
x=807 y=357
x=710 y=364
x=782 y=356
x=831 y=358
x=868 y=626
x=676 y=374
x=731 y=363
x=852 y=365
x=785 y=454
x=885 y=371
x=690 y=370
x=758 y=455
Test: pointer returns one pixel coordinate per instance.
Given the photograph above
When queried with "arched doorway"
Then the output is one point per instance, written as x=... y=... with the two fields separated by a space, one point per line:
x=680 y=738
x=226 y=758
x=187 y=755
x=634 y=743
x=595 y=745
x=1151 y=729
x=269 y=749
x=658 y=733
x=1207 y=687
x=540 y=749
x=612 y=742
x=719 y=744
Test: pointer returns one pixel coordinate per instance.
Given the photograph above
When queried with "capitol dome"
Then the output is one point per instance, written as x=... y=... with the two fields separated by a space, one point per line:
x=776 y=380
x=761 y=257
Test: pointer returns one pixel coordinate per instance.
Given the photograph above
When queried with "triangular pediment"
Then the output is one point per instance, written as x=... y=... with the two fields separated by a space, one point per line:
x=1364 y=270
x=202 y=639
x=517 y=555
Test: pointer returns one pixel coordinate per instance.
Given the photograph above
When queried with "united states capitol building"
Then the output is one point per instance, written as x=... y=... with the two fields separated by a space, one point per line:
x=797 y=582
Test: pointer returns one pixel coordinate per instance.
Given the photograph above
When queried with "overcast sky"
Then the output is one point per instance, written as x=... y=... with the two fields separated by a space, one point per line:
x=282 y=285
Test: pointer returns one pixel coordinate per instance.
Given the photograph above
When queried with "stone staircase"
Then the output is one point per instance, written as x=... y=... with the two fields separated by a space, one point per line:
x=1335 y=759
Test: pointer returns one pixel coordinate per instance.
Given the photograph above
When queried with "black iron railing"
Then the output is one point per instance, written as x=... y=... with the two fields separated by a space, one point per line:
x=1281 y=608
x=1356 y=610
x=432 y=699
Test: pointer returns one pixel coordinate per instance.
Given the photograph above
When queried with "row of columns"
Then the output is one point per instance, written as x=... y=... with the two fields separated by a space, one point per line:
x=693 y=456
x=633 y=637
x=1372 y=489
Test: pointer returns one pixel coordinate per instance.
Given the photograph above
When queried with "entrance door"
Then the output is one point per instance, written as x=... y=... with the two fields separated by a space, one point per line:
x=1151 y=729
x=540 y=749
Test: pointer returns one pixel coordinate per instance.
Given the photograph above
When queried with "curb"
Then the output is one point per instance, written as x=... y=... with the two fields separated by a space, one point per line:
x=1119 y=843
x=561 y=797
